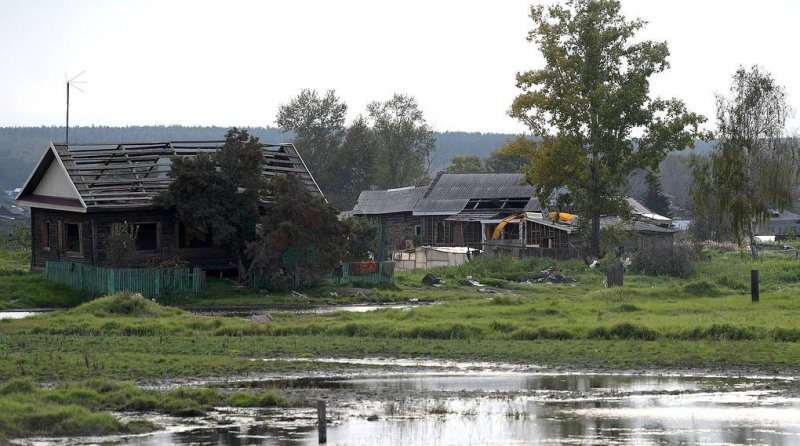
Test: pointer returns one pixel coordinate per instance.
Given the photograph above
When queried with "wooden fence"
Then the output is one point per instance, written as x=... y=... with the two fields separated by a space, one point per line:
x=148 y=281
x=374 y=273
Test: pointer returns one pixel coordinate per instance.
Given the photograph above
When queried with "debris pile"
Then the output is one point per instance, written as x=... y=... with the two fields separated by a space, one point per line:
x=550 y=275
x=430 y=280
x=473 y=282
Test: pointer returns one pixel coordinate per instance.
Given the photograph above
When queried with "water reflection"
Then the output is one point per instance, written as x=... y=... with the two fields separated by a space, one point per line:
x=518 y=409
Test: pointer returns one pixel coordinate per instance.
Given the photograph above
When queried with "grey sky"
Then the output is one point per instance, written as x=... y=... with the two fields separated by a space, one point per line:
x=233 y=62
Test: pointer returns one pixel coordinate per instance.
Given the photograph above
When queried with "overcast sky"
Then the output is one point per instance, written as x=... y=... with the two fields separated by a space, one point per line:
x=233 y=62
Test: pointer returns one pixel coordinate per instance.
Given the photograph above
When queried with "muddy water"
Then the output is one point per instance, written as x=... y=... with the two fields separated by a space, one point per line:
x=512 y=408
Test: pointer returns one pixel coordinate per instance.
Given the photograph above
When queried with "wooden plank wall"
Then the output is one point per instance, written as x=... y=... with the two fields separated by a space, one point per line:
x=96 y=228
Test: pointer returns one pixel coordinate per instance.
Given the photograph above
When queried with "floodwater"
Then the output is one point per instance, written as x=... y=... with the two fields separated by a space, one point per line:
x=17 y=314
x=501 y=408
x=305 y=309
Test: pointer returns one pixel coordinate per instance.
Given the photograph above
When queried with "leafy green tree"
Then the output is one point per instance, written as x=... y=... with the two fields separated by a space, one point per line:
x=656 y=201
x=220 y=193
x=512 y=156
x=121 y=243
x=466 y=164
x=754 y=167
x=587 y=103
x=405 y=142
x=318 y=125
x=352 y=167
x=302 y=239
x=710 y=221
x=363 y=238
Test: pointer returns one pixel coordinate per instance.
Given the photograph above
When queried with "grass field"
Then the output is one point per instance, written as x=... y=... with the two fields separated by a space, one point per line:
x=704 y=323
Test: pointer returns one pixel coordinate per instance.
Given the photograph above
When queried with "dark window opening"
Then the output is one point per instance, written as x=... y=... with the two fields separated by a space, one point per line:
x=146 y=236
x=516 y=204
x=46 y=235
x=189 y=237
x=489 y=204
x=72 y=237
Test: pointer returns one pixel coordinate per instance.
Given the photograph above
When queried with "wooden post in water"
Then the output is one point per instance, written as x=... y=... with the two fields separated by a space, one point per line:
x=322 y=423
x=754 y=285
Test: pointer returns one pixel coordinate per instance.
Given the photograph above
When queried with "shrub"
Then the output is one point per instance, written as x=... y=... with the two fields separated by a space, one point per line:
x=721 y=332
x=121 y=243
x=624 y=330
x=503 y=327
x=533 y=334
x=266 y=398
x=663 y=259
x=701 y=288
x=627 y=308
x=18 y=385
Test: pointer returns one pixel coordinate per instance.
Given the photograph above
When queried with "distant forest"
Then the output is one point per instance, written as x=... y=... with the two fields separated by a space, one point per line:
x=21 y=147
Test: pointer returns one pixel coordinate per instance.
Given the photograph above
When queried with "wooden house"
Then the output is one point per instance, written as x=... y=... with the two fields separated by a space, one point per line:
x=393 y=209
x=79 y=194
x=463 y=209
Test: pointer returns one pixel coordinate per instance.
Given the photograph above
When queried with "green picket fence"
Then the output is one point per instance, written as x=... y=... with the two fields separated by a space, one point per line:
x=148 y=281
x=374 y=273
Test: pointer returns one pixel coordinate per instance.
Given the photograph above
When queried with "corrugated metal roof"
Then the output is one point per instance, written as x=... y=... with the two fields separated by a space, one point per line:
x=451 y=192
x=372 y=202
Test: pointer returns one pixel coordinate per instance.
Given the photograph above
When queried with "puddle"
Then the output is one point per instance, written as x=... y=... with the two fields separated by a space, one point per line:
x=18 y=314
x=418 y=363
x=507 y=407
x=304 y=309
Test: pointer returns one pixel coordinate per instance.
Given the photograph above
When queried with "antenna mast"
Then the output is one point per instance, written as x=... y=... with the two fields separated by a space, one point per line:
x=71 y=83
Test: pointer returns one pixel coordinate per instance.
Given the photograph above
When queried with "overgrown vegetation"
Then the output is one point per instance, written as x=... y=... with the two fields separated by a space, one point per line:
x=705 y=320
x=80 y=408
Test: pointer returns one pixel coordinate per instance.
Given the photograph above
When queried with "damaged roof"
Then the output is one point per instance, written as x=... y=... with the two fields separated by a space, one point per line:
x=85 y=177
x=390 y=201
x=451 y=193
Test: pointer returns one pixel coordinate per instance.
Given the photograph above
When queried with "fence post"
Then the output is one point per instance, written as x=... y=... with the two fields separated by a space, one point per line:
x=322 y=422
x=111 y=283
x=754 y=294
x=158 y=282
x=196 y=279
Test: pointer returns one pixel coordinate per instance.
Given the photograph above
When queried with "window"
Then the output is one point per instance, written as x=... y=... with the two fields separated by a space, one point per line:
x=46 y=235
x=417 y=230
x=147 y=236
x=71 y=237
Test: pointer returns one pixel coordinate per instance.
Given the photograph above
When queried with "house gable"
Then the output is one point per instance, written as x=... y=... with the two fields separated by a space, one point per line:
x=49 y=186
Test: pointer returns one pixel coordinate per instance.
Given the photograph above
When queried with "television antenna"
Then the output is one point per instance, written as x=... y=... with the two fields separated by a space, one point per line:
x=71 y=83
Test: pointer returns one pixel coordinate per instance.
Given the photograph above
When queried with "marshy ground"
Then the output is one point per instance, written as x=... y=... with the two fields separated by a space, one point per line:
x=701 y=325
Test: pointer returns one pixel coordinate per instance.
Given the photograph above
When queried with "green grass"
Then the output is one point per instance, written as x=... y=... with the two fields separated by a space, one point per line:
x=81 y=408
x=709 y=315
x=91 y=351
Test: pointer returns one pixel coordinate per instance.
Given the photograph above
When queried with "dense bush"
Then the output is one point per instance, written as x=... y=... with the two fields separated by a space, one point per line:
x=675 y=260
